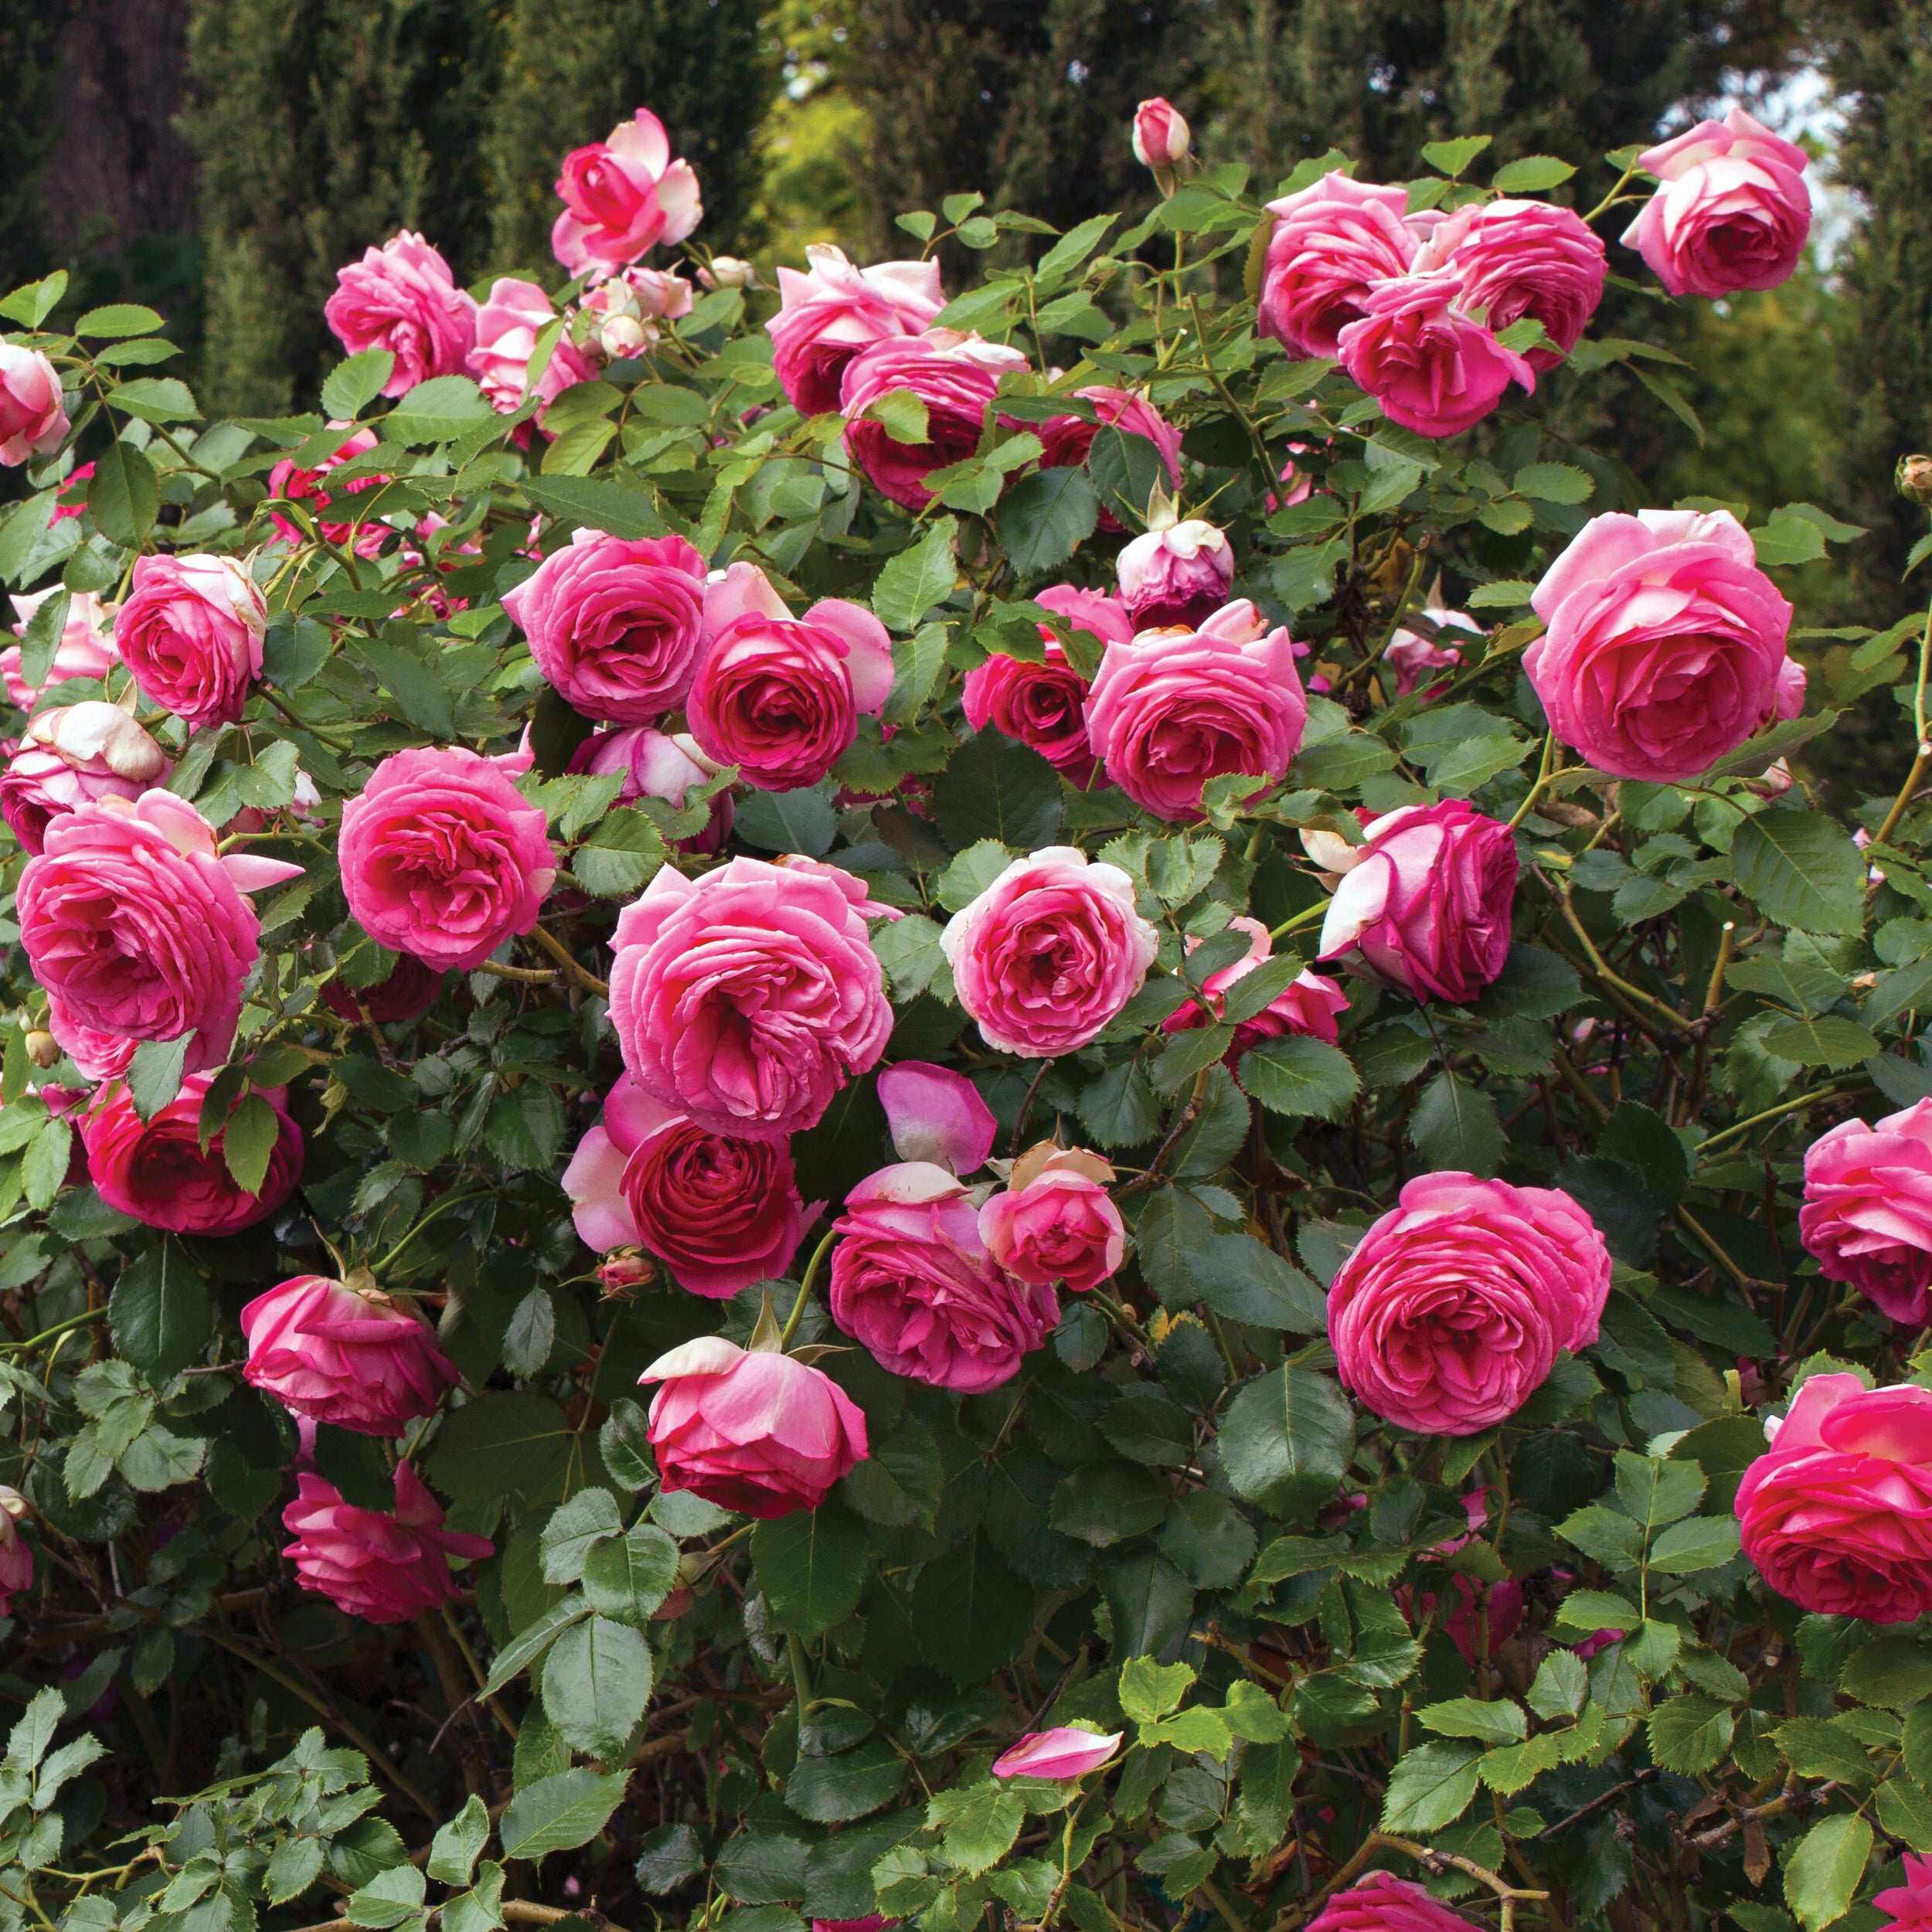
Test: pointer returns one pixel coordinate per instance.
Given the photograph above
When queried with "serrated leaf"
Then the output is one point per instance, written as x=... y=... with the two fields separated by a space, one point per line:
x=1822 y=1874
x=909 y=584
x=1430 y=1787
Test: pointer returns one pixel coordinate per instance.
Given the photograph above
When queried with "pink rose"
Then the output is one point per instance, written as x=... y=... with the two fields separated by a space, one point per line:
x=1177 y=573
x=304 y=486
x=622 y=197
x=1837 y=1513
x=1383 y=1903
x=1867 y=1215
x=779 y=696
x=1172 y=709
x=31 y=419
x=1425 y=907
x=507 y=324
x=86 y=648
x=16 y=1554
x=1482 y=1617
x=755 y=1431
x=1055 y=1221
x=618 y=318
x=1517 y=258
x=912 y=1280
x=402 y=298
x=615 y=625
x=1045 y=705
x=748 y=998
x=1432 y=367
x=954 y=377
x=158 y=1171
x=1066 y=441
x=1413 y=656
x=68 y=757
x=720 y=1210
x=1909 y=1904
x=1048 y=955
x=657 y=766
x=936 y=1115
x=443 y=858
x=1161 y=137
x=1310 y=1004
x=1731 y=211
x=1452 y=1308
x=411 y=989
x=138 y=928
x=1331 y=244
x=384 y=1568
x=827 y=314
x=190 y=631
x=1665 y=644
x=1067 y=1751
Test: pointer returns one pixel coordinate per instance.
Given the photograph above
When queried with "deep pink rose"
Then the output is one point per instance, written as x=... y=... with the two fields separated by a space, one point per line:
x=1177 y=573
x=1480 y=1617
x=1425 y=906
x=347 y=1356
x=71 y=756
x=756 y=1431
x=748 y=998
x=1310 y=1004
x=402 y=298
x=411 y=989
x=1047 y=955
x=1045 y=705
x=16 y=1554
x=1518 y=258
x=1413 y=656
x=936 y=1115
x=1173 y=710
x=720 y=1210
x=384 y=1568
x=507 y=324
x=443 y=858
x=1909 y=1904
x=138 y=928
x=779 y=696
x=955 y=377
x=306 y=486
x=1867 y=1215
x=1453 y=1308
x=1665 y=645
x=1382 y=1902
x=1331 y=244
x=1055 y=1221
x=1837 y=1513
x=31 y=419
x=912 y=1279
x=616 y=625
x=190 y=631
x=1065 y=1752
x=158 y=1171
x=1161 y=137
x=1432 y=368
x=828 y=314
x=657 y=766
x=1731 y=211
x=622 y=197
x=1065 y=440
x=86 y=648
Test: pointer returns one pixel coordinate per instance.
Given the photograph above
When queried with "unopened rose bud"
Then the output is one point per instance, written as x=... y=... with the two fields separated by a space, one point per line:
x=624 y=1270
x=729 y=271
x=1913 y=477
x=1161 y=137
x=43 y=1048
x=621 y=336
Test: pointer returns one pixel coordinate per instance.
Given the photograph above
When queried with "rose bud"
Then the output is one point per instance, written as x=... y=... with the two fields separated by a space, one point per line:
x=1055 y=1221
x=1177 y=573
x=16 y=1554
x=1913 y=477
x=1161 y=137
x=728 y=271
x=1067 y=1751
x=43 y=1048
x=70 y=756
x=32 y=420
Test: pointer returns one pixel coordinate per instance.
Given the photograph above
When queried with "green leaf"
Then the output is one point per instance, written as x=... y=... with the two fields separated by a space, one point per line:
x=437 y=411
x=1690 y=1733
x=573 y=1529
x=459 y=1843
x=1555 y=482
x=1454 y=1126
x=1894 y=1671
x=762 y=1868
x=154 y=1074
x=293 y=1867
x=1430 y=1787
x=596 y=1681
x=161 y=1311
x=801 y=821
x=1300 y=1077
x=909 y=584
x=118 y=318
x=1532 y=175
x=248 y=1140
x=1497 y=1722
x=1704 y=1543
x=508 y=1443
x=977 y=1826
x=1822 y=1874
x=560 y=1813
x=628 y=1576
x=1243 y=1280
x=530 y=1643
x=1044 y=517
x=902 y=415
x=811 y=1566
x=620 y=509
x=996 y=789
x=347 y=389
x=123 y=495
x=1800 y=868
x=419 y=693
x=1450 y=157
x=832 y=1790
x=1821 y=1040
x=154 y=399
x=1286 y=1438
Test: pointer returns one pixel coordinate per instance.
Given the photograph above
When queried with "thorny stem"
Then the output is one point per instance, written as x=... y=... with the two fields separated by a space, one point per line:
x=567 y=960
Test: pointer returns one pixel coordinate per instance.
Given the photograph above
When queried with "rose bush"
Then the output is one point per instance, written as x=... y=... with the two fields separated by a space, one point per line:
x=1047 y=1103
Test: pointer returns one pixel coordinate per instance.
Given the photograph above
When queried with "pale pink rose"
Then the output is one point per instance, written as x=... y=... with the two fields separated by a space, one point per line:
x=828 y=314
x=1453 y=1308
x=1161 y=137
x=622 y=197
x=443 y=858
x=1731 y=211
x=1048 y=955
x=1175 y=710
x=1066 y=1752
x=350 y=1356
x=954 y=377
x=912 y=1279
x=936 y=1115
x=1792 y=684
x=1066 y=441
x=138 y=928
x=1837 y=1513
x=71 y=756
x=305 y=487
x=1413 y=656
x=720 y=1210
x=1382 y=1902
x=402 y=298
x=1176 y=573
x=1867 y=1215
x=1055 y=1220
x=511 y=318
x=747 y=998
x=190 y=631
x=1909 y=1904
x=615 y=624
x=1310 y=1004
x=618 y=318
x=1518 y=258
x=779 y=696
x=1665 y=647
x=657 y=766
x=756 y=1431
x=1044 y=705
x=383 y=1567
x=1431 y=366
x=729 y=271
x=33 y=421
x=1331 y=245
x=16 y=1554
x=86 y=648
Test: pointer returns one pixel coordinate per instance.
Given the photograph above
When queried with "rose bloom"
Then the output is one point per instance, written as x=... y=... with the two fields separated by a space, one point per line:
x=1518 y=258
x=937 y=1115
x=1311 y=1004
x=1044 y=705
x=1161 y=137
x=1331 y=244
x=1067 y=1751
x=507 y=324
x=402 y=298
x=1174 y=709
x=1066 y=441
x=1909 y=1904
x=1046 y=956
x=16 y=1554
x=1177 y=573
x=306 y=486
x=1432 y=368
x=411 y=989
x=382 y=1567
x=86 y=648
x=33 y=421
x=1837 y=1513
x=1425 y=906
x=955 y=376
x=913 y=1280
x=657 y=766
x=1867 y=1215
x=158 y=1171
x=720 y=1210
x=1453 y=1308
x=779 y=696
x=754 y=1430
x=1413 y=656
x=1055 y=1221
x=1382 y=1902
x=1731 y=211
x=1665 y=647
x=190 y=631
x=615 y=625
x=622 y=196
x=71 y=756
x=443 y=858
x=618 y=318
x=828 y=314
x=747 y=998
x=138 y=928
